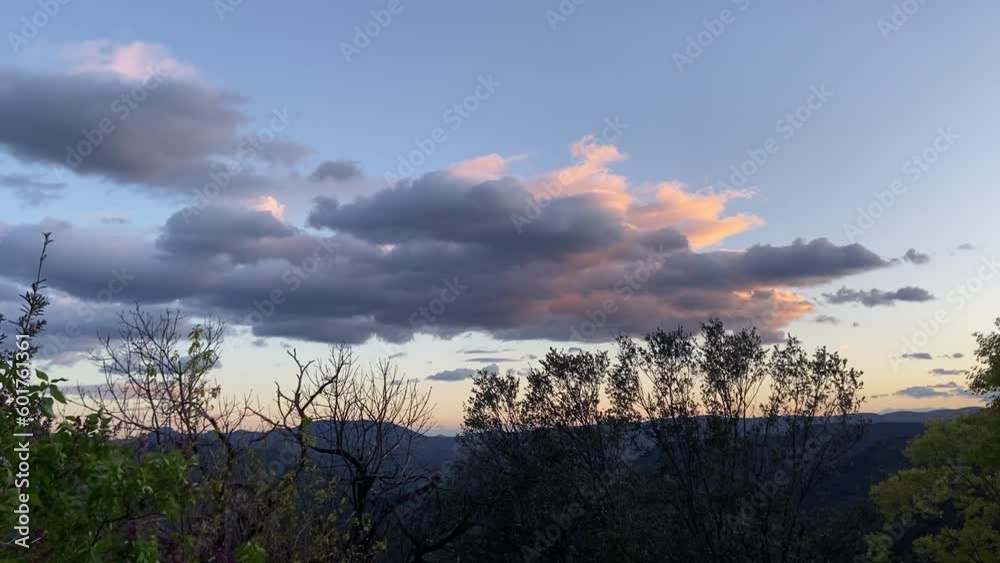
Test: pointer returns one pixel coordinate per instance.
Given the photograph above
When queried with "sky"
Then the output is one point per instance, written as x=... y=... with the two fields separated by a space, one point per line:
x=460 y=185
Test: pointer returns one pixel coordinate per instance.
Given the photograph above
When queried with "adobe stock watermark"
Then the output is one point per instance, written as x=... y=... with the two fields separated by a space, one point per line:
x=455 y=115
x=913 y=169
x=759 y=501
x=32 y=25
x=894 y=531
x=224 y=7
x=562 y=13
x=787 y=126
x=901 y=14
x=535 y=204
x=365 y=34
x=544 y=539
x=293 y=277
x=248 y=148
x=958 y=298
x=630 y=283
x=427 y=315
x=121 y=108
x=714 y=28
x=87 y=312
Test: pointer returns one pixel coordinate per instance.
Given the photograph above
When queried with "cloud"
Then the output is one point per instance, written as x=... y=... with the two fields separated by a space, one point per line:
x=452 y=375
x=240 y=234
x=135 y=116
x=941 y=390
x=877 y=297
x=966 y=246
x=946 y=371
x=133 y=62
x=956 y=355
x=336 y=169
x=373 y=263
x=31 y=190
x=917 y=258
x=921 y=392
x=56 y=119
x=485 y=351
x=114 y=219
x=918 y=356
x=491 y=360
x=460 y=374
x=827 y=319
x=483 y=168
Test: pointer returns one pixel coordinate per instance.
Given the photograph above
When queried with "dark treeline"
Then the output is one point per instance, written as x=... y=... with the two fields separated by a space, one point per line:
x=680 y=447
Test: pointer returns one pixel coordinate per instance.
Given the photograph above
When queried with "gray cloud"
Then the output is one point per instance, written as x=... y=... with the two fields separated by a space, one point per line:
x=941 y=390
x=31 y=190
x=389 y=255
x=966 y=246
x=452 y=375
x=241 y=234
x=827 y=319
x=877 y=297
x=460 y=373
x=918 y=356
x=337 y=170
x=914 y=257
x=444 y=209
x=485 y=351
x=491 y=360
x=168 y=135
x=179 y=123
x=947 y=371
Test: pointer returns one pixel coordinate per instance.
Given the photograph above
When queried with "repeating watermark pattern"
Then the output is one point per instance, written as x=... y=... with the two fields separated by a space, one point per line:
x=225 y=7
x=32 y=25
x=787 y=126
x=912 y=170
x=957 y=299
x=364 y=35
x=714 y=28
x=544 y=539
x=562 y=13
x=455 y=116
x=901 y=14
x=624 y=289
x=894 y=531
x=121 y=108
x=427 y=315
x=750 y=508
x=86 y=311
x=293 y=277
x=248 y=148
x=535 y=204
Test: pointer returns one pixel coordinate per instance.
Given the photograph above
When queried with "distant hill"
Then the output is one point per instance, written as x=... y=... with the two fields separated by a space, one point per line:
x=921 y=416
x=878 y=454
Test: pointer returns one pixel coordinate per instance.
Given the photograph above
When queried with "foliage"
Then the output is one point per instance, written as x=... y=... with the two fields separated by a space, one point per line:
x=707 y=447
x=86 y=494
x=946 y=508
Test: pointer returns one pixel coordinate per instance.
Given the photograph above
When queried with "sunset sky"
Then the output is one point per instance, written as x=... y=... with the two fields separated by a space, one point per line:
x=460 y=185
